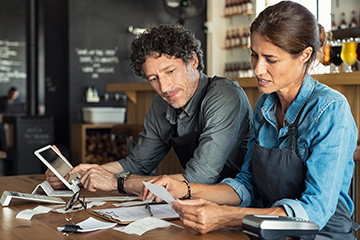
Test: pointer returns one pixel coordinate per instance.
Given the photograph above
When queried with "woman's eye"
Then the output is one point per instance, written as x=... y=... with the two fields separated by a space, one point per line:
x=271 y=61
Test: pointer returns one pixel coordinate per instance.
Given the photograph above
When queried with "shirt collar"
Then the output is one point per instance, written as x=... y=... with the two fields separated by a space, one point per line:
x=193 y=106
x=306 y=89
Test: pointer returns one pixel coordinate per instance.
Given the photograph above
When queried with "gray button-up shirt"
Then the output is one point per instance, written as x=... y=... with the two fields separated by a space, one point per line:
x=220 y=108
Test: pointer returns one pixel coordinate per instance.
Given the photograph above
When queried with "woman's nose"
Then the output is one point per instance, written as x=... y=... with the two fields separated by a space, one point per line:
x=259 y=67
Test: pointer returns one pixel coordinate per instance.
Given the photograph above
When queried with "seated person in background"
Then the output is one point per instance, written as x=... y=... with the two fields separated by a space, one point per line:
x=207 y=120
x=11 y=97
x=300 y=162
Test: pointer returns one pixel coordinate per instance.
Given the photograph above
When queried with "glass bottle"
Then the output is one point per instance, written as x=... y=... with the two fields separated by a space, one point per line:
x=353 y=21
x=228 y=39
x=334 y=26
x=343 y=23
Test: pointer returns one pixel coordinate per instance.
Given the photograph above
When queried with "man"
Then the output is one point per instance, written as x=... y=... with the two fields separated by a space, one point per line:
x=11 y=97
x=206 y=120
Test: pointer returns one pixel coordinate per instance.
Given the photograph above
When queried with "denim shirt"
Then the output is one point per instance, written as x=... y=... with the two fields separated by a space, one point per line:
x=327 y=141
x=219 y=110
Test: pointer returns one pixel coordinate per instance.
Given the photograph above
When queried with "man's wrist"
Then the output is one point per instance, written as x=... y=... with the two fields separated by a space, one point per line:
x=188 y=190
x=121 y=176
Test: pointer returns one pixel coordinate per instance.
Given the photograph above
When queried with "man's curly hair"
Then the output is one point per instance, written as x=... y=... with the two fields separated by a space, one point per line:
x=168 y=39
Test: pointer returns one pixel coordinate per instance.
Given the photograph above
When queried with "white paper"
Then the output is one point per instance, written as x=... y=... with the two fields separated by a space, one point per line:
x=29 y=213
x=111 y=199
x=130 y=214
x=91 y=224
x=160 y=192
x=134 y=203
x=141 y=226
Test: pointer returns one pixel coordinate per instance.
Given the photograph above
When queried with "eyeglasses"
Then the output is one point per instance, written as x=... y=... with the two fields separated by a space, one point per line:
x=76 y=199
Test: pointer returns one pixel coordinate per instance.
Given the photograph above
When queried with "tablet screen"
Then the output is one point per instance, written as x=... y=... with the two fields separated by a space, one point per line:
x=58 y=163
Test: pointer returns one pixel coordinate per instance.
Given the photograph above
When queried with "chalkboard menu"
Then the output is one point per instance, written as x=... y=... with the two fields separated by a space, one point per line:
x=13 y=46
x=22 y=136
x=97 y=62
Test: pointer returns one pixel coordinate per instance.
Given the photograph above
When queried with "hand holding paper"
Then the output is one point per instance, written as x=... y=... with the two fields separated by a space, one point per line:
x=160 y=192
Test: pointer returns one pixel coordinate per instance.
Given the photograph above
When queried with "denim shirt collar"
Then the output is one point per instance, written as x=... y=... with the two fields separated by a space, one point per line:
x=193 y=106
x=306 y=89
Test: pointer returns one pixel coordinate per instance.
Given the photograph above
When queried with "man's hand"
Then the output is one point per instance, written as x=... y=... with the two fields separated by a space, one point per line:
x=200 y=214
x=94 y=177
x=176 y=188
x=54 y=181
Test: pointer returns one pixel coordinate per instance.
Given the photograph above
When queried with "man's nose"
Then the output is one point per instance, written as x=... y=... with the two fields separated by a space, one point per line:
x=165 y=84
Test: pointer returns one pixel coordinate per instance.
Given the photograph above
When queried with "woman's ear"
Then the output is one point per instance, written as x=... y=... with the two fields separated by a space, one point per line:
x=306 y=54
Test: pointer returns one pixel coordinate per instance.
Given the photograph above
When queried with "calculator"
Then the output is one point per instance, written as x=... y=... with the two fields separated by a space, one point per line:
x=268 y=227
x=8 y=196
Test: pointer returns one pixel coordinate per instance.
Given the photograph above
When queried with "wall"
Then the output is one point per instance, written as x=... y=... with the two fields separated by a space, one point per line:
x=99 y=30
x=88 y=44
x=13 y=47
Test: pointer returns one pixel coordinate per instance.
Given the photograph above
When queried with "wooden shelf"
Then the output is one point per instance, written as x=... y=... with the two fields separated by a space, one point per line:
x=129 y=89
x=78 y=137
x=241 y=14
x=328 y=79
x=346 y=33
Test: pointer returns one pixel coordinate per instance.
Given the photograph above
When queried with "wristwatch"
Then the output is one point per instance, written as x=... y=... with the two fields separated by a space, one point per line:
x=121 y=176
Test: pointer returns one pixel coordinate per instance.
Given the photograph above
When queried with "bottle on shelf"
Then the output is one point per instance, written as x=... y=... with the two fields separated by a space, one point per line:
x=240 y=7
x=235 y=7
x=249 y=6
x=245 y=38
x=343 y=23
x=233 y=38
x=353 y=22
x=334 y=26
x=228 y=39
x=238 y=38
x=227 y=8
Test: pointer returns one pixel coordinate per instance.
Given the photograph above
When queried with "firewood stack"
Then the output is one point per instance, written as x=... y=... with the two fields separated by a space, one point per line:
x=104 y=147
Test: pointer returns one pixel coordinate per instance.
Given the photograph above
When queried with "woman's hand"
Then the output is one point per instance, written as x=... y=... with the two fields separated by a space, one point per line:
x=202 y=215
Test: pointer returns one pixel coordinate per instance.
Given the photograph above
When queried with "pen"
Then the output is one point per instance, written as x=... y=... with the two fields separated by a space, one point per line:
x=147 y=206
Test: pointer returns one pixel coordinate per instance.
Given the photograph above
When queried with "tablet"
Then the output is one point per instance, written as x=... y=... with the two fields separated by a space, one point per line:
x=59 y=166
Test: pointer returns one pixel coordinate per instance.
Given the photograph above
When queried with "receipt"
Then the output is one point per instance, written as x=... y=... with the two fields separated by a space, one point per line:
x=160 y=192
x=29 y=213
x=141 y=226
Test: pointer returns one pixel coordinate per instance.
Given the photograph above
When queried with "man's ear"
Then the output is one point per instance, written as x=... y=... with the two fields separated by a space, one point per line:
x=194 y=62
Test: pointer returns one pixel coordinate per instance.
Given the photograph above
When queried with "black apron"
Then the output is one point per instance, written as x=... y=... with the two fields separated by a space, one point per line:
x=280 y=173
x=185 y=146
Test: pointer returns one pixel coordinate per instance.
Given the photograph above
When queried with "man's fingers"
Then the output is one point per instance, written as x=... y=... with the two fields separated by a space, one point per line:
x=81 y=167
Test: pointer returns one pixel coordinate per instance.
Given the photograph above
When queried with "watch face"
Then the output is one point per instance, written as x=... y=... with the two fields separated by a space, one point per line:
x=123 y=174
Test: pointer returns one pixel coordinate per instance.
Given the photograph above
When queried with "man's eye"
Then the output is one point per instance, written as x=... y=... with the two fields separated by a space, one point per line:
x=152 y=79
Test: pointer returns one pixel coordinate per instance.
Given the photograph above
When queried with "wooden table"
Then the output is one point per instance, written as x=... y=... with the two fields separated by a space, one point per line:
x=44 y=226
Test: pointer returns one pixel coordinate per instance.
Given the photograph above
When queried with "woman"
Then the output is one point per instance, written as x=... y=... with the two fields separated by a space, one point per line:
x=301 y=161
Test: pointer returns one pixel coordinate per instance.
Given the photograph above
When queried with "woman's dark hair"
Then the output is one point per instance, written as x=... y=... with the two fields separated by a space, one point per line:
x=291 y=27
x=168 y=39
